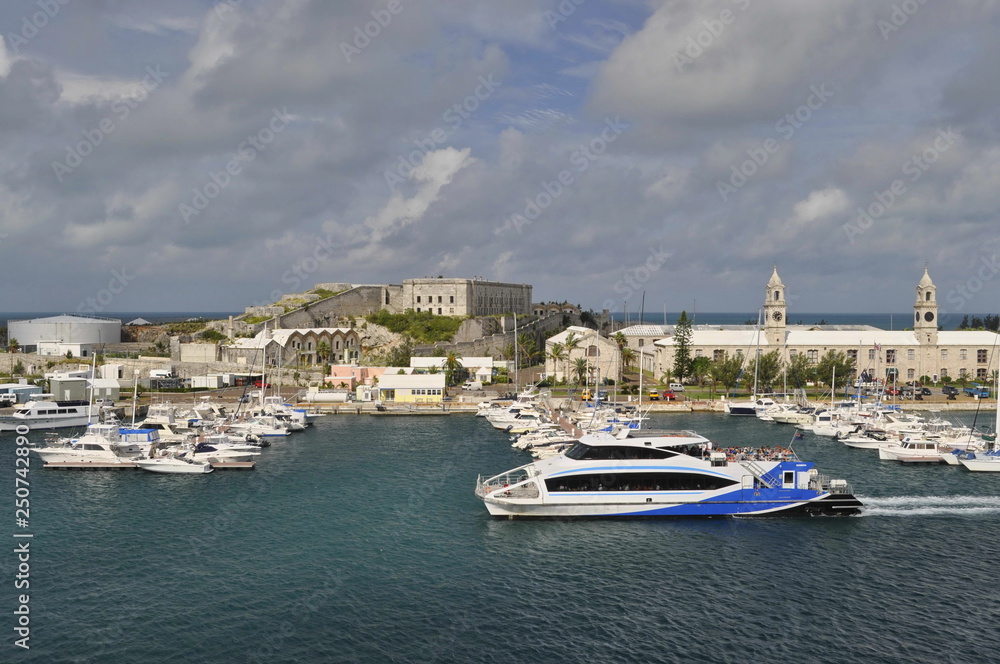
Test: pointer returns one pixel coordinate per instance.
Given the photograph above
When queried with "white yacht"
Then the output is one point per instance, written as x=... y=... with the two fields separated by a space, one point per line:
x=174 y=465
x=45 y=414
x=103 y=444
x=911 y=450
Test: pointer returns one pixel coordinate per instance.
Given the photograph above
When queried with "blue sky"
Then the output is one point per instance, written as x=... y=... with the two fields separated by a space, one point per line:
x=200 y=155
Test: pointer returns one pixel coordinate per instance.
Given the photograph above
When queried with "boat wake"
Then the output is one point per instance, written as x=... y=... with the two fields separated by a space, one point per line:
x=930 y=505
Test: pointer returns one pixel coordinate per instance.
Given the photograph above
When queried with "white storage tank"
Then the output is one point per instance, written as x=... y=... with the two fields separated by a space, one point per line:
x=65 y=328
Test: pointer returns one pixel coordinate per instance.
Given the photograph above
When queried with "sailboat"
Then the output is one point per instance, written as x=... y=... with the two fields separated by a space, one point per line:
x=986 y=461
x=747 y=408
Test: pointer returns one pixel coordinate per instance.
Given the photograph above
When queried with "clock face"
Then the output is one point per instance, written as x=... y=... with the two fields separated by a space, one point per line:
x=929 y=316
x=776 y=315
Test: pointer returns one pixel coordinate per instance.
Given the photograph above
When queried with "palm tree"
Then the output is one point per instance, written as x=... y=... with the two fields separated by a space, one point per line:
x=581 y=367
x=323 y=351
x=572 y=343
x=557 y=353
x=451 y=365
x=629 y=357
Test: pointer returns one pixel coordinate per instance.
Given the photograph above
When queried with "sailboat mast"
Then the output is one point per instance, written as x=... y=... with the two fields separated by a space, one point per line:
x=517 y=362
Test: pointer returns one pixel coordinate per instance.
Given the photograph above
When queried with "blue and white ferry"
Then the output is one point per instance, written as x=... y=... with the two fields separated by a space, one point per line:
x=665 y=474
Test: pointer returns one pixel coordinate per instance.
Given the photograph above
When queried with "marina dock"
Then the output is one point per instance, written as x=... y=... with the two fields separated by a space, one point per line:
x=79 y=465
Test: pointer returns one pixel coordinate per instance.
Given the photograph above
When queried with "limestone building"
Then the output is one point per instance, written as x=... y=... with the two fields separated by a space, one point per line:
x=923 y=350
x=464 y=297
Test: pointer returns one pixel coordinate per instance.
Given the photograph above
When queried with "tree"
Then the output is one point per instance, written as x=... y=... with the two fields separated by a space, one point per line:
x=323 y=351
x=557 y=353
x=581 y=367
x=682 y=347
x=629 y=357
x=800 y=370
x=766 y=369
x=452 y=365
x=572 y=343
x=699 y=368
x=835 y=360
x=726 y=371
x=13 y=346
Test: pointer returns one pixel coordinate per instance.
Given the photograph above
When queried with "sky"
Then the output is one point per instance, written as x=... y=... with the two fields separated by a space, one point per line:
x=207 y=156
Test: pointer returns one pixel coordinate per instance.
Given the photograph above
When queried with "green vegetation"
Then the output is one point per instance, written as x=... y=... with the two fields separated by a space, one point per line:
x=187 y=327
x=323 y=292
x=256 y=320
x=213 y=335
x=682 y=350
x=423 y=326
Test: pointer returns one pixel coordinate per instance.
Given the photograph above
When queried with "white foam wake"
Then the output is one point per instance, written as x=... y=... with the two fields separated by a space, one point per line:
x=930 y=505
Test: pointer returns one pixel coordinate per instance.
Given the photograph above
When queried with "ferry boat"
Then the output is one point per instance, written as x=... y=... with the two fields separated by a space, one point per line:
x=43 y=414
x=664 y=474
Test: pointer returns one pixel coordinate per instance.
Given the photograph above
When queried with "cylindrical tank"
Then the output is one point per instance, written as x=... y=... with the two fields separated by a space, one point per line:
x=66 y=328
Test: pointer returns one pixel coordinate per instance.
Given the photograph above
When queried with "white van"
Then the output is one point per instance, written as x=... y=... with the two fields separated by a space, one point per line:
x=676 y=387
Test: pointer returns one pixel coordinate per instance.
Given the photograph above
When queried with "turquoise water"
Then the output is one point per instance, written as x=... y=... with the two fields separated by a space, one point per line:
x=361 y=541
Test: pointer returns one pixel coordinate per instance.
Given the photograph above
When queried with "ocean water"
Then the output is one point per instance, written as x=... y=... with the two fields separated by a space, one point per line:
x=360 y=540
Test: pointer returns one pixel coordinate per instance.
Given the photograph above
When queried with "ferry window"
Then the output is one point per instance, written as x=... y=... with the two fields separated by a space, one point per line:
x=643 y=481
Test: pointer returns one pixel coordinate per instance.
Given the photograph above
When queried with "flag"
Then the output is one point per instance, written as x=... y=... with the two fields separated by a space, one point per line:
x=798 y=435
x=877 y=347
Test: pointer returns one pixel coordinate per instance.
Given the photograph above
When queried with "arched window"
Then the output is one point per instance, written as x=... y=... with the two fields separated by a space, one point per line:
x=928 y=297
x=591 y=351
x=777 y=295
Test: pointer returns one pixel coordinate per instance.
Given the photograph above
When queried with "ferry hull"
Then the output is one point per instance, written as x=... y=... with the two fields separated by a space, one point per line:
x=821 y=505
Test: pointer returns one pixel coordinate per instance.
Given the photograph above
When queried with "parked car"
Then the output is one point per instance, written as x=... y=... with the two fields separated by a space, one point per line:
x=949 y=390
x=653 y=395
x=669 y=396
x=893 y=391
x=926 y=391
x=261 y=384
x=676 y=387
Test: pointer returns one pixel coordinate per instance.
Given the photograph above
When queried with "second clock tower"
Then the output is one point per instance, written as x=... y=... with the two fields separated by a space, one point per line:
x=774 y=311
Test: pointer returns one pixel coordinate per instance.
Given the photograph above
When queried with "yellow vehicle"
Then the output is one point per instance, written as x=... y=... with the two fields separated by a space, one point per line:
x=653 y=395
x=586 y=395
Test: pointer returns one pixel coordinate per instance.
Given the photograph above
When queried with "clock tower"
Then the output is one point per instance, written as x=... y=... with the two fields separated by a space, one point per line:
x=925 y=310
x=774 y=311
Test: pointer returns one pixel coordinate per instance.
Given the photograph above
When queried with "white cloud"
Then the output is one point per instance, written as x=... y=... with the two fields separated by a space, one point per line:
x=820 y=204
x=433 y=174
